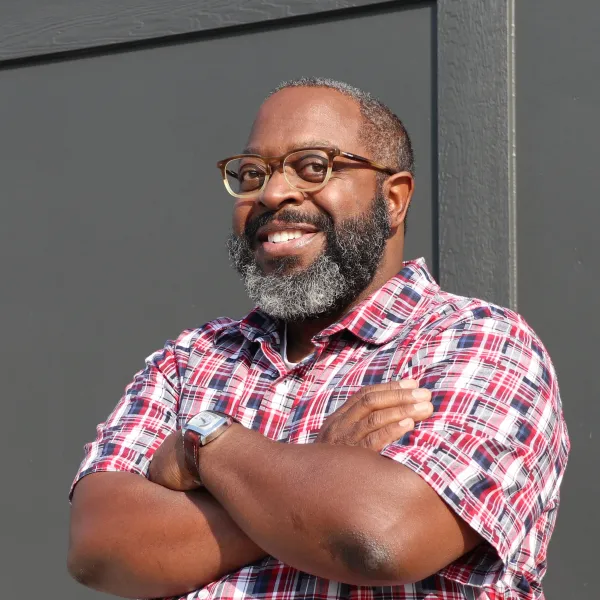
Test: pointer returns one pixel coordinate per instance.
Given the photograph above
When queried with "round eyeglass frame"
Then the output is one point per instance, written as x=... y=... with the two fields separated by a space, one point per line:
x=331 y=153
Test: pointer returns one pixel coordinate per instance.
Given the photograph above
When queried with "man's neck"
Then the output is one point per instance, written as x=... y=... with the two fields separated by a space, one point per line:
x=300 y=334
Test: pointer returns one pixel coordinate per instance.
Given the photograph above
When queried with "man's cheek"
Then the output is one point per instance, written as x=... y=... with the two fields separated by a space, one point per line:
x=241 y=215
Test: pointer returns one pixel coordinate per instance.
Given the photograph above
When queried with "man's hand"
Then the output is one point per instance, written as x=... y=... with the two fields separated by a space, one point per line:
x=377 y=415
x=168 y=467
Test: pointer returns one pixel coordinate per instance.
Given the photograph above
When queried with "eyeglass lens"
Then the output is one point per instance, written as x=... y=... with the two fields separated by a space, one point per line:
x=304 y=170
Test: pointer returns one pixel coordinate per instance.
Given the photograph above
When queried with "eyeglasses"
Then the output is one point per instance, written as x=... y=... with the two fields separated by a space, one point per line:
x=306 y=170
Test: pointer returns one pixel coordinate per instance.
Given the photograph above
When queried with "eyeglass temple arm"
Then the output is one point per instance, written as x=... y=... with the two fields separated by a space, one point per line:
x=370 y=162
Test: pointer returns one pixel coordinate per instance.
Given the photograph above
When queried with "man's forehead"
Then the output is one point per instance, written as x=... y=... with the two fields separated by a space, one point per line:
x=304 y=116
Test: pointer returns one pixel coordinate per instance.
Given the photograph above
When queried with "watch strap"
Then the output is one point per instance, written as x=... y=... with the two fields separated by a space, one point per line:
x=191 y=443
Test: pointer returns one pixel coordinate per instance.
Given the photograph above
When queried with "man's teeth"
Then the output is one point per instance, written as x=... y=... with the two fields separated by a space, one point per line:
x=284 y=236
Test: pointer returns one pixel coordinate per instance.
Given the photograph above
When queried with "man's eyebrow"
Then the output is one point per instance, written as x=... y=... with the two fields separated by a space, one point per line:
x=250 y=150
x=312 y=143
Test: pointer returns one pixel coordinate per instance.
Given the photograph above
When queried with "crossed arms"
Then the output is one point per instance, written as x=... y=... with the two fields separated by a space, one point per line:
x=336 y=508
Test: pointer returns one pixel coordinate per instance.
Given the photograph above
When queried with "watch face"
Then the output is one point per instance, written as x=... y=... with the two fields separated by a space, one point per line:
x=205 y=422
x=205 y=419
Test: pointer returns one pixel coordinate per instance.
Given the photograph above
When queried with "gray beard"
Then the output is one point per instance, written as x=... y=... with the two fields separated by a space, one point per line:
x=297 y=296
x=353 y=252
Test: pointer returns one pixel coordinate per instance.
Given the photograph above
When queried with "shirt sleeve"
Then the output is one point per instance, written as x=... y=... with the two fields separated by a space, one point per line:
x=145 y=415
x=496 y=447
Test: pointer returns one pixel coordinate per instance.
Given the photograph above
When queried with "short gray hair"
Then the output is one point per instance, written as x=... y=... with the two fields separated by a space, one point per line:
x=383 y=132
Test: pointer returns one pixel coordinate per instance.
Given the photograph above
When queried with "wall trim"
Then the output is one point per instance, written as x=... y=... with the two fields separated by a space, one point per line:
x=475 y=86
x=34 y=28
x=476 y=149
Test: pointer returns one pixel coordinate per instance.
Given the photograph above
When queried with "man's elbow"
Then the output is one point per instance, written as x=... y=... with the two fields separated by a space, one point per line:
x=91 y=558
x=371 y=561
x=84 y=565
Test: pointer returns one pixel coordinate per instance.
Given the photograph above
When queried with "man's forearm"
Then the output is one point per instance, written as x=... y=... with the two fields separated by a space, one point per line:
x=316 y=507
x=137 y=539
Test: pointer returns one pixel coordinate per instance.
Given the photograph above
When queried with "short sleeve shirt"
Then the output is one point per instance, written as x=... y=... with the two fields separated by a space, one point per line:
x=494 y=450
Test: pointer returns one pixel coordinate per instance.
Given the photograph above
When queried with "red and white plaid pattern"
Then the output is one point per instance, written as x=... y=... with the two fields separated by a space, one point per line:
x=495 y=448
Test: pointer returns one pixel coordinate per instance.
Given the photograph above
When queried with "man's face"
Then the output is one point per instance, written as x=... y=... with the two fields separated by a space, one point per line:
x=338 y=232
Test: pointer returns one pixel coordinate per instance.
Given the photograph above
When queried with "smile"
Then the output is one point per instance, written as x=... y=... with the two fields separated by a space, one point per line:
x=285 y=243
x=277 y=237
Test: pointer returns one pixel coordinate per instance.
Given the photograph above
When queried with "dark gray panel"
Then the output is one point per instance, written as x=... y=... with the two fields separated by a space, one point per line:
x=476 y=149
x=113 y=221
x=34 y=28
x=477 y=234
x=559 y=256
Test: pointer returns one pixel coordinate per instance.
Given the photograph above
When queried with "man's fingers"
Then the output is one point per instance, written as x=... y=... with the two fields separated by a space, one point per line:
x=382 y=418
x=375 y=410
x=379 y=439
x=379 y=400
x=389 y=386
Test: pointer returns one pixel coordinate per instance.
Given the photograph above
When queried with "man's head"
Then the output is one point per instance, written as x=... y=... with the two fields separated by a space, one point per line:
x=308 y=246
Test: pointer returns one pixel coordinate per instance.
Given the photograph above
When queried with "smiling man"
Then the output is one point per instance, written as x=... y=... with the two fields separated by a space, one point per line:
x=360 y=434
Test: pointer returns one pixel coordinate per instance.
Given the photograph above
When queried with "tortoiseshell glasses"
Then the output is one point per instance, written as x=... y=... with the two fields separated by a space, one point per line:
x=305 y=169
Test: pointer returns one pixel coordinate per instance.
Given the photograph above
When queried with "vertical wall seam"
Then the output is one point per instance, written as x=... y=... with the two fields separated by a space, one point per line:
x=512 y=157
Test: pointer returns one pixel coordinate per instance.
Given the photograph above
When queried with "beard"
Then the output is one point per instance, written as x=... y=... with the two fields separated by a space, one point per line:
x=352 y=254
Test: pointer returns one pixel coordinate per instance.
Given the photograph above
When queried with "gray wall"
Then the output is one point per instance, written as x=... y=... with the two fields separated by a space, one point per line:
x=113 y=225
x=558 y=128
x=112 y=216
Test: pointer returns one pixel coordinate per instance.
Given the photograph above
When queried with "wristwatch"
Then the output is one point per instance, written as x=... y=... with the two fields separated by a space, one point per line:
x=200 y=430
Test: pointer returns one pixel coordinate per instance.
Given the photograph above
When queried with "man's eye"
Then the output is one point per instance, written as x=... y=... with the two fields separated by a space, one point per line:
x=311 y=169
x=249 y=175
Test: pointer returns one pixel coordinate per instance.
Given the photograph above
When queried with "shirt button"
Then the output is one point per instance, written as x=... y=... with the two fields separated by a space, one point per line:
x=203 y=595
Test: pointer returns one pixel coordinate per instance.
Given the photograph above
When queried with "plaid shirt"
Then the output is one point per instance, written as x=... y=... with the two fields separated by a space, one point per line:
x=495 y=449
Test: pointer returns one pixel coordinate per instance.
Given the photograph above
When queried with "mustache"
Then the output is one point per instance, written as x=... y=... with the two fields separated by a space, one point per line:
x=322 y=222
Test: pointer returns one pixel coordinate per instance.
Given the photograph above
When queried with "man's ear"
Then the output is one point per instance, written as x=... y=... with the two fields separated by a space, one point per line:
x=398 y=190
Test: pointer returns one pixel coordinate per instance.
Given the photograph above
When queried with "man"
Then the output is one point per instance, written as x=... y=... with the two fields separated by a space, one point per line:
x=360 y=434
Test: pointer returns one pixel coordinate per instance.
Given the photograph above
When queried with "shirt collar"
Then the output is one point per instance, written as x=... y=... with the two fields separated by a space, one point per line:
x=376 y=320
x=384 y=314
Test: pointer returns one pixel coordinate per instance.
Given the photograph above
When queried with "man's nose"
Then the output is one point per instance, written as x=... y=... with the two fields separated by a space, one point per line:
x=279 y=192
